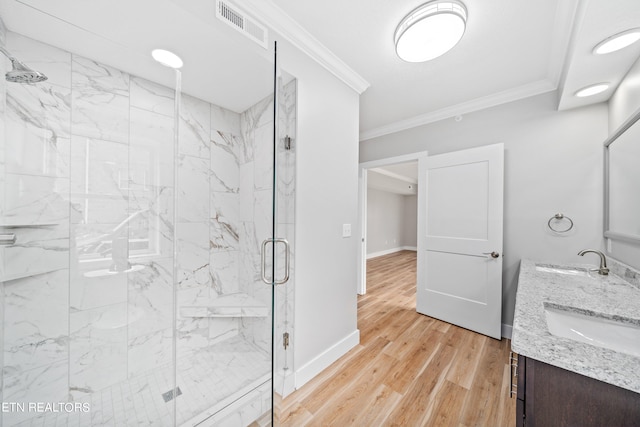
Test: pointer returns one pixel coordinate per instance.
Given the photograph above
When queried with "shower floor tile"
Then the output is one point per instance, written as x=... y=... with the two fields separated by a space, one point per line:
x=206 y=378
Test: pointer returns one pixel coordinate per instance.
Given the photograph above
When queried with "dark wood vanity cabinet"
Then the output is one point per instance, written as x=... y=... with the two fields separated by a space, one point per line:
x=548 y=396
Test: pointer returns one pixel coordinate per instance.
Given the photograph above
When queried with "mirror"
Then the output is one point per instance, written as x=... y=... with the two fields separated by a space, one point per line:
x=622 y=180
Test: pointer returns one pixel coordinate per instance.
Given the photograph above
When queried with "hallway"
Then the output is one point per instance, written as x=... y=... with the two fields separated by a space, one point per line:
x=409 y=369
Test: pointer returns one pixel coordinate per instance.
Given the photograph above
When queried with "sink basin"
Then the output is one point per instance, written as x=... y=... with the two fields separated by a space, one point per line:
x=619 y=335
x=562 y=270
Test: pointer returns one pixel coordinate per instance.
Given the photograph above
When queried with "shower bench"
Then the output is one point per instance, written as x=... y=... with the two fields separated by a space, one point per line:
x=231 y=305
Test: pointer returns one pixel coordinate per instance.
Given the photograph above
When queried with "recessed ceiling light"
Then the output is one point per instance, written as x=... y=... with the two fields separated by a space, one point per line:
x=430 y=30
x=166 y=58
x=592 y=90
x=617 y=42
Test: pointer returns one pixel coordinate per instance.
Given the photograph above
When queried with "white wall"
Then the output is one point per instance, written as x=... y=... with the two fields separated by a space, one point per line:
x=553 y=163
x=385 y=218
x=626 y=100
x=392 y=221
x=326 y=198
x=410 y=223
x=622 y=105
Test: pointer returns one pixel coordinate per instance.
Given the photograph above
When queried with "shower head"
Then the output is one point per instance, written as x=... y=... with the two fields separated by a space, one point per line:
x=23 y=74
x=20 y=72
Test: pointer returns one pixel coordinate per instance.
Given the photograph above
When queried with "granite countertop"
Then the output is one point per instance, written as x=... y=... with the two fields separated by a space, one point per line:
x=606 y=296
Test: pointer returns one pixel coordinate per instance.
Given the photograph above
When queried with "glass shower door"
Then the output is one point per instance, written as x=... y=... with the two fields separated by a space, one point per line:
x=225 y=310
x=134 y=293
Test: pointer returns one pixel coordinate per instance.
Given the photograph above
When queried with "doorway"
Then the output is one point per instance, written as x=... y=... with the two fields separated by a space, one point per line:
x=388 y=188
x=459 y=235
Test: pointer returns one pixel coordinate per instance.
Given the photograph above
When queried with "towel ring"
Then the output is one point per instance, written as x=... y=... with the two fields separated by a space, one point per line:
x=559 y=217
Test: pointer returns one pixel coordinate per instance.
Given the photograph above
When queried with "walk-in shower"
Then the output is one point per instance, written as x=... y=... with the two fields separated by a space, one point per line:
x=132 y=289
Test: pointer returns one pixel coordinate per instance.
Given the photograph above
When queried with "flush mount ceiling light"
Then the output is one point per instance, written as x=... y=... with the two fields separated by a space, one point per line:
x=430 y=30
x=592 y=90
x=617 y=42
x=166 y=58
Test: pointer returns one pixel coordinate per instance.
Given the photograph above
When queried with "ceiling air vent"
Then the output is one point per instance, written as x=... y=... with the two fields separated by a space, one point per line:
x=239 y=20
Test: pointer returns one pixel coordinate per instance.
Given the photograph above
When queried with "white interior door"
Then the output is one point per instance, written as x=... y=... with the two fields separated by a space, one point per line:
x=460 y=238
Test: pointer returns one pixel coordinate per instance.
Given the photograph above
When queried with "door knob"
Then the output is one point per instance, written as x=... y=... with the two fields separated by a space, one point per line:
x=493 y=254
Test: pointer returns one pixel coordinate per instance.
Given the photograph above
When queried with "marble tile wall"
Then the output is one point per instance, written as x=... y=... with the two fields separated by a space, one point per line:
x=35 y=194
x=86 y=167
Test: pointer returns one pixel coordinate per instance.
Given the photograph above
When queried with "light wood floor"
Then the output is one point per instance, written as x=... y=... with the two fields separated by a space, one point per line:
x=409 y=369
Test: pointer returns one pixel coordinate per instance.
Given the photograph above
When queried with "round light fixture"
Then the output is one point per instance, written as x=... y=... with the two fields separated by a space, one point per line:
x=430 y=30
x=617 y=42
x=166 y=58
x=592 y=90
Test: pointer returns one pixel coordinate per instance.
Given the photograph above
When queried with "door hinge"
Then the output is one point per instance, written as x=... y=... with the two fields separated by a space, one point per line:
x=285 y=340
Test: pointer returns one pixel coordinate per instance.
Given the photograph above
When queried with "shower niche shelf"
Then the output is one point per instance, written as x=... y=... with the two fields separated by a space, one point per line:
x=232 y=305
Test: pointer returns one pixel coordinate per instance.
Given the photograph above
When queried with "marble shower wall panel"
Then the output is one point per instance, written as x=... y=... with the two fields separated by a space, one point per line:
x=35 y=199
x=263 y=162
x=150 y=298
x=227 y=152
x=195 y=127
x=35 y=339
x=226 y=121
x=224 y=271
x=193 y=255
x=193 y=284
x=193 y=225
x=150 y=290
x=100 y=206
x=224 y=222
x=36 y=168
x=253 y=118
x=150 y=164
x=99 y=187
x=226 y=149
x=193 y=192
x=152 y=97
x=150 y=319
x=88 y=290
x=100 y=98
x=256 y=206
x=194 y=221
x=98 y=349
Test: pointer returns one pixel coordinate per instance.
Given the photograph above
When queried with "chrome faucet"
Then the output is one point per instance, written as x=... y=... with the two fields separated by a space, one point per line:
x=603 y=261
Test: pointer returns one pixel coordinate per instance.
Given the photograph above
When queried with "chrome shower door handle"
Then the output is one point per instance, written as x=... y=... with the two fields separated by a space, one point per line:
x=263 y=261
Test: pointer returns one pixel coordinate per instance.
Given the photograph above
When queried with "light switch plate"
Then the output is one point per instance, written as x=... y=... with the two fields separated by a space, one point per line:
x=346 y=230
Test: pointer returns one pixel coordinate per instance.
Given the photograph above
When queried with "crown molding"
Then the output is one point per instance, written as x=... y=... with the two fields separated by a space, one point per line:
x=514 y=94
x=568 y=16
x=278 y=20
x=565 y=22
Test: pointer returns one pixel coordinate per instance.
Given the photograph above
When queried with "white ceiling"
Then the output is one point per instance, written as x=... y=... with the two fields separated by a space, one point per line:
x=401 y=178
x=512 y=49
x=122 y=33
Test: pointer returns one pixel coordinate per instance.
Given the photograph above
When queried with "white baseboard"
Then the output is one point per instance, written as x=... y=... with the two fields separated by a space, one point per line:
x=390 y=251
x=322 y=361
x=507 y=330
